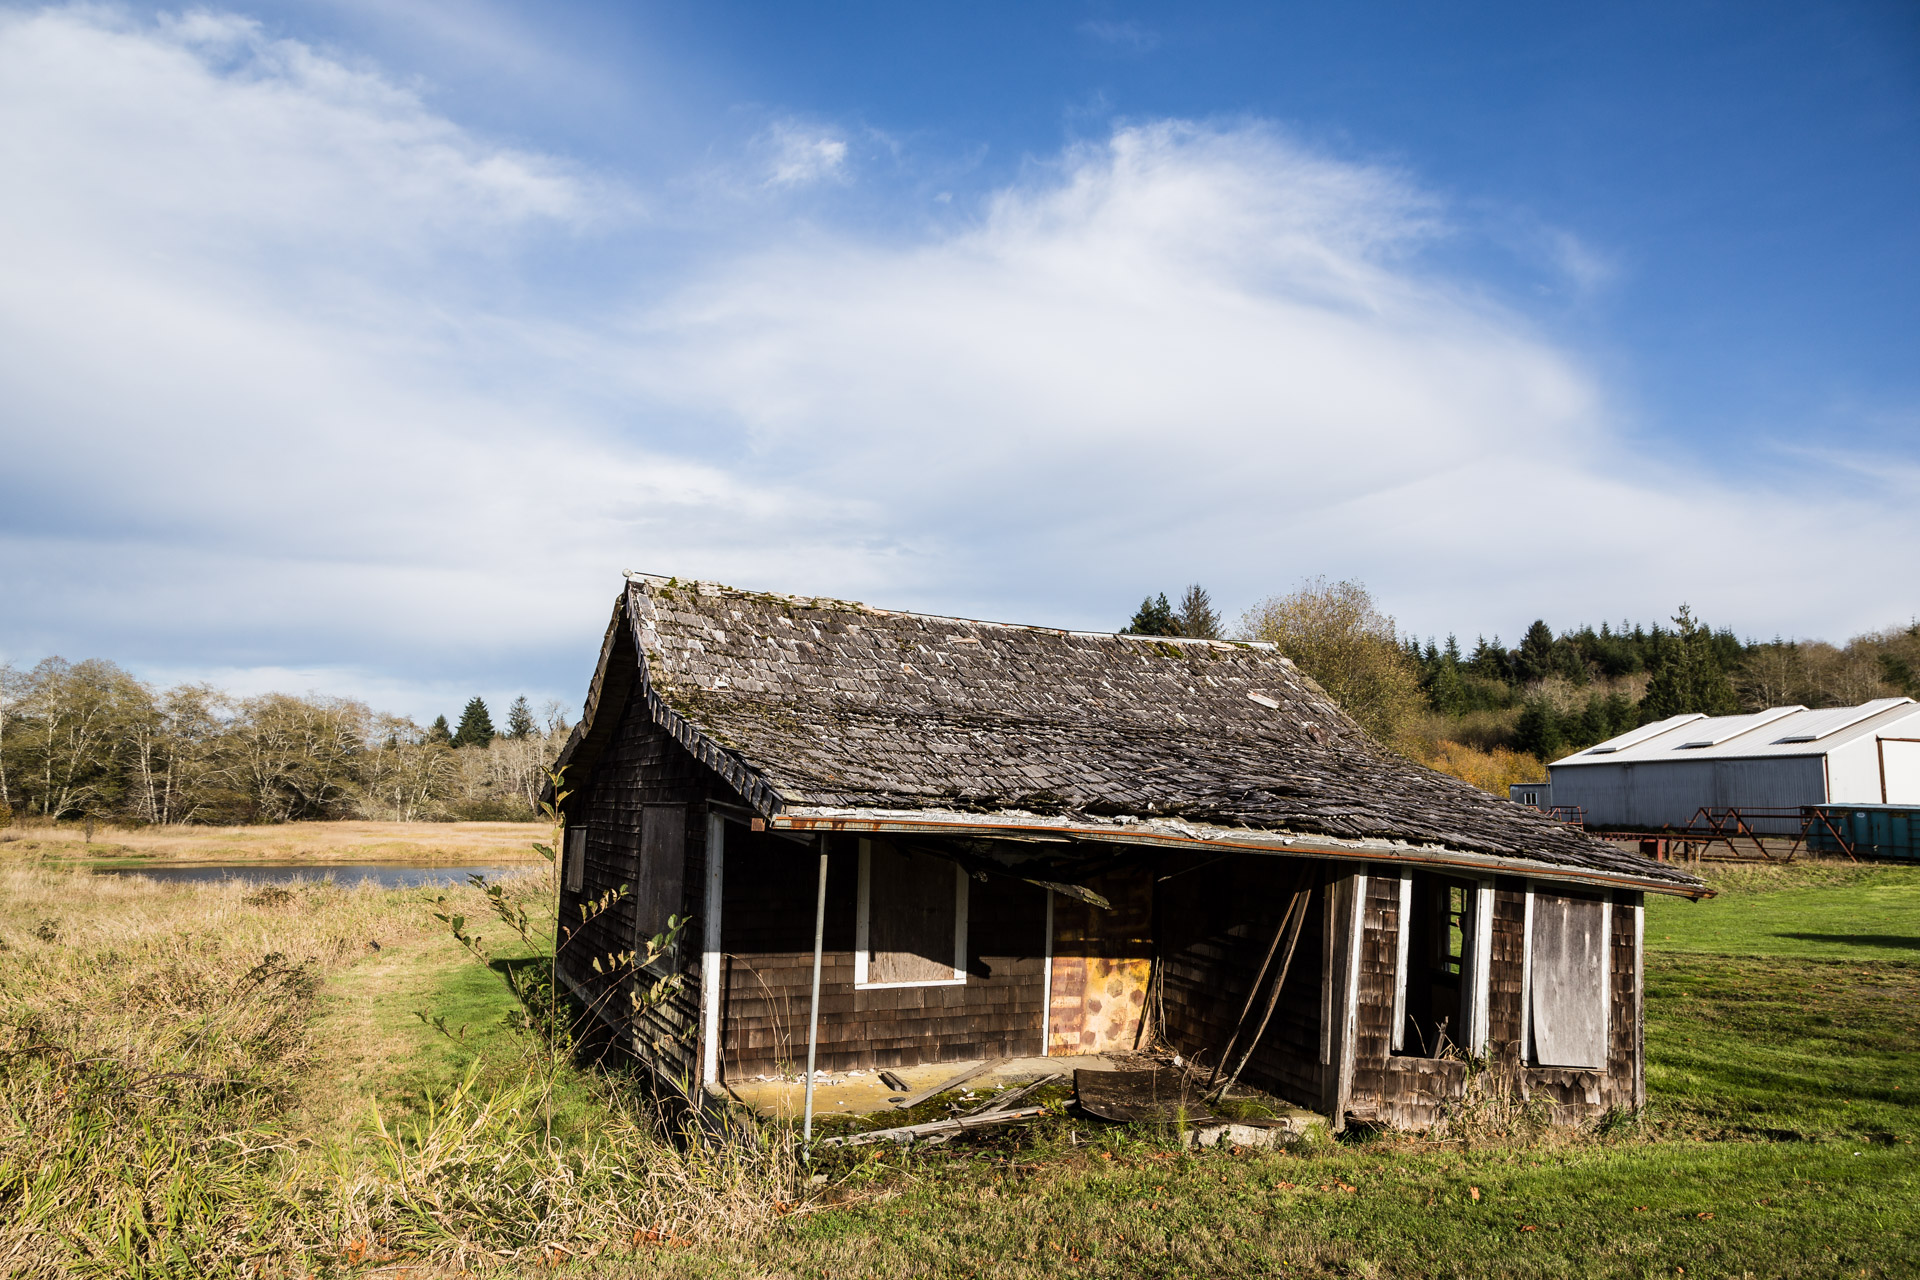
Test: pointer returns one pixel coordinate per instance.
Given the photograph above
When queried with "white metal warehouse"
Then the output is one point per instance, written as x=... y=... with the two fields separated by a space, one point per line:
x=1662 y=774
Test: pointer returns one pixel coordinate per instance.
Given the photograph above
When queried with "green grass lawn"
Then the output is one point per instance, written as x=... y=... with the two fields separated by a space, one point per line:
x=1783 y=1041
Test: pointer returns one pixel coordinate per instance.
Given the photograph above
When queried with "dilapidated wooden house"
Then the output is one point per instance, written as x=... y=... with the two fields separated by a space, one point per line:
x=1018 y=840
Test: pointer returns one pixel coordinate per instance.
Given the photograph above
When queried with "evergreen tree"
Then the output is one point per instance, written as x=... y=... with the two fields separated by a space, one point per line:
x=1687 y=675
x=1533 y=660
x=1154 y=618
x=440 y=732
x=476 y=726
x=1538 y=731
x=1196 y=617
x=520 y=719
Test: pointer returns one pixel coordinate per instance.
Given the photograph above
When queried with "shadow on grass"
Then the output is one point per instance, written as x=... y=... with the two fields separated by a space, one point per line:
x=1894 y=941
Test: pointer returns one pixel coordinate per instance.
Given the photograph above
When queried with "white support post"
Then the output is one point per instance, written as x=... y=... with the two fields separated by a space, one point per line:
x=712 y=970
x=1480 y=1030
x=1046 y=984
x=1640 y=1001
x=1403 y=931
x=813 y=1007
x=1526 y=981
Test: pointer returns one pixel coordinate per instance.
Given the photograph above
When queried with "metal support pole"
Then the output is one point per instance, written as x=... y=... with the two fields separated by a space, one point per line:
x=813 y=1014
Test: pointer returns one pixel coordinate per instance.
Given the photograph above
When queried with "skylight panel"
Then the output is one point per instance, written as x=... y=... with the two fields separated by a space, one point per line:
x=1635 y=737
x=1725 y=728
x=1824 y=724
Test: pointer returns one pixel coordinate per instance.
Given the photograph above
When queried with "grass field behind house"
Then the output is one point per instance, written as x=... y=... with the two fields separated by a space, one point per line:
x=172 y=1102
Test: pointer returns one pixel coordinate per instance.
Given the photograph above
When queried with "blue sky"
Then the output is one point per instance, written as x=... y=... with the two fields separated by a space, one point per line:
x=358 y=347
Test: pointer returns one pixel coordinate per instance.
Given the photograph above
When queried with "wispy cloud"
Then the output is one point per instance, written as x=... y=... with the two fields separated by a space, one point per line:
x=800 y=155
x=1127 y=36
x=293 y=384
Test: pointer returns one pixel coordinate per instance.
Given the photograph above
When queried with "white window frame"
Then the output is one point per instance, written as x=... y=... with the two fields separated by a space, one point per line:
x=861 y=952
x=1476 y=966
x=1529 y=1058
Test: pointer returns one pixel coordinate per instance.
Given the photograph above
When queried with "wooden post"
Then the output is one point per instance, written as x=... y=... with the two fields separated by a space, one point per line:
x=1046 y=984
x=712 y=974
x=813 y=1008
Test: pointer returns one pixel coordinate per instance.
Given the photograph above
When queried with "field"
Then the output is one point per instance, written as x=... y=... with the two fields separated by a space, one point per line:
x=193 y=1075
x=316 y=842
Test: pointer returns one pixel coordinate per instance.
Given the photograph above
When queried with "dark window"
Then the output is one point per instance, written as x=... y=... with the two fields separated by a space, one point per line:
x=576 y=859
x=1439 y=923
x=657 y=882
x=913 y=918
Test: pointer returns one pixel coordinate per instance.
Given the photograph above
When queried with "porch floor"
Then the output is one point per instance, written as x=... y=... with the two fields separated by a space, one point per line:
x=857 y=1093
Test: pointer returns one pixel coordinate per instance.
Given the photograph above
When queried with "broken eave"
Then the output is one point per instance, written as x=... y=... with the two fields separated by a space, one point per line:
x=1194 y=836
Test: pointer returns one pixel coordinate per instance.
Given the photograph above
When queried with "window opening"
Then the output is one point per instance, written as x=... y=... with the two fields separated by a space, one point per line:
x=1437 y=974
x=1567 y=942
x=911 y=922
x=576 y=859
x=658 y=879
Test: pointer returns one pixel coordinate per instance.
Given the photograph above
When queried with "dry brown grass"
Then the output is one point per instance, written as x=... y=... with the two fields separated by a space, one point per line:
x=170 y=1102
x=320 y=842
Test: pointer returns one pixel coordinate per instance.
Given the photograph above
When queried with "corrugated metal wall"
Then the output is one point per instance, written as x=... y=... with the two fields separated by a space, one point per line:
x=1668 y=794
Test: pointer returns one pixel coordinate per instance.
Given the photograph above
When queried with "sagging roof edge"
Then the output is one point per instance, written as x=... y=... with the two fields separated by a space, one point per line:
x=908 y=822
x=750 y=786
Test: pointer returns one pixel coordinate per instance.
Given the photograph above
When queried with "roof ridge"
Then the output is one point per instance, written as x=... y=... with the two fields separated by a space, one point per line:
x=831 y=602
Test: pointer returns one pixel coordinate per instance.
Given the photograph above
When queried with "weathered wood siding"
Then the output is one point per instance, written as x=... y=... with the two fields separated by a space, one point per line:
x=1215 y=925
x=640 y=765
x=767 y=914
x=1414 y=1092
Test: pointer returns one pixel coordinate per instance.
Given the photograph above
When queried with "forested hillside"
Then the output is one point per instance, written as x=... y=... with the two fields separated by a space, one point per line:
x=1495 y=715
x=87 y=740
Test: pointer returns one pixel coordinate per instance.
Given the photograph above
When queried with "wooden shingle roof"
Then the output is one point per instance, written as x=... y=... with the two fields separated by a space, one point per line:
x=811 y=705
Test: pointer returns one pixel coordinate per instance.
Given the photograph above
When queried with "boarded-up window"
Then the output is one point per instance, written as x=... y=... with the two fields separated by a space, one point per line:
x=657 y=880
x=1568 y=955
x=913 y=919
x=576 y=859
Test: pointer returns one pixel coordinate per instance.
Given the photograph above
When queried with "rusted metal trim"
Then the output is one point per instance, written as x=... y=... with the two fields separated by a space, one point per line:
x=1276 y=846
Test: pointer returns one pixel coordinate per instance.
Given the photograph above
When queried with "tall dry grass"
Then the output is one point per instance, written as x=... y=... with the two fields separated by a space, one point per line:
x=155 y=1043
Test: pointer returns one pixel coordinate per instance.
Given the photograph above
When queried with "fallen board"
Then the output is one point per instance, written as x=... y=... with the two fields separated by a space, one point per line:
x=952 y=1082
x=1159 y=1094
x=908 y=1132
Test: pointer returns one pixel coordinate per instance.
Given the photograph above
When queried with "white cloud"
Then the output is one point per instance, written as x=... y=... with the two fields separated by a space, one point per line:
x=800 y=155
x=292 y=386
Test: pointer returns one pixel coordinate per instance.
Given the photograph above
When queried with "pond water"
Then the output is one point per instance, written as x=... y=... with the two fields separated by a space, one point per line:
x=388 y=875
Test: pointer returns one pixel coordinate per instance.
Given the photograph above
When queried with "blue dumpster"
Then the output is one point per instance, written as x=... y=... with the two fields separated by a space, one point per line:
x=1889 y=831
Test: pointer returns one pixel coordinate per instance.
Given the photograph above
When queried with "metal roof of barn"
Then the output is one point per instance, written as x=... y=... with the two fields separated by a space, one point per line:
x=1780 y=731
x=826 y=714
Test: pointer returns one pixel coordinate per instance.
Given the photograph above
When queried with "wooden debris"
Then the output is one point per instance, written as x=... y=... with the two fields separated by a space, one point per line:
x=1012 y=1096
x=1158 y=1094
x=978 y=1069
x=894 y=1082
x=958 y=1124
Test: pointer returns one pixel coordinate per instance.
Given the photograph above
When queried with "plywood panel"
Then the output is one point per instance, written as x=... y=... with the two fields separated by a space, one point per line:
x=913 y=916
x=1569 y=1005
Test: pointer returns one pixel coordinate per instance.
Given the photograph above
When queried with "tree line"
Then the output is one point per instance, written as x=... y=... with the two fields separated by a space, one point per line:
x=87 y=740
x=1552 y=693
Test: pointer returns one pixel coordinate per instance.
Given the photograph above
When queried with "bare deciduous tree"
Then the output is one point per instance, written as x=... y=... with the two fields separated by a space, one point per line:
x=1334 y=632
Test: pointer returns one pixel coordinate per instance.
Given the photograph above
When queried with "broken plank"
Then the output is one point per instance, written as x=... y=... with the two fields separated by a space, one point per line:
x=978 y=1069
x=1012 y=1096
x=908 y=1132
x=894 y=1082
